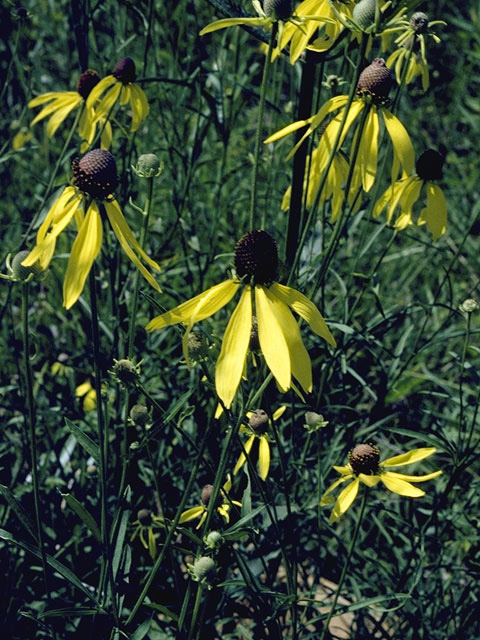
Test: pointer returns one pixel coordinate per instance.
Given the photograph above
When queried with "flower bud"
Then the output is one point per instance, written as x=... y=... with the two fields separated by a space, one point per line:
x=419 y=22
x=213 y=540
x=139 y=415
x=126 y=371
x=364 y=13
x=469 y=305
x=21 y=273
x=148 y=166
x=314 y=421
x=204 y=569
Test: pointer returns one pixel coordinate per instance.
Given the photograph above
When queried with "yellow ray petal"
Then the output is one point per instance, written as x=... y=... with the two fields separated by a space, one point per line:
x=85 y=249
x=368 y=151
x=272 y=340
x=407 y=458
x=299 y=358
x=215 y=298
x=191 y=514
x=402 y=145
x=140 y=107
x=263 y=457
x=435 y=213
x=305 y=309
x=236 y=339
x=124 y=236
x=345 y=500
x=401 y=487
x=51 y=95
x=231 y=22
x=279 y=412
x=408 y=478
x=324 y=500
x=98 y=89
x=242 y=458
x=104 y=107
x=370 y=481
x=60 y=102
x=57 y=118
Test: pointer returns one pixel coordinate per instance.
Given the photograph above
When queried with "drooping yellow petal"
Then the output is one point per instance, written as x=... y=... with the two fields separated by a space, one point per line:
x=401 y=487
x=104 y=107
x=435 y=213
x=344 y=470
x=62 y=100
x=345 y=500
x=408 y=478
x=127 y=241
x=279 y=412
x=50 y=95
x=273 y=343
x=98 y=89
x=140 y=107
x=263 y=457
x=215 y=298
x=305 y=309
x=402 y=145
x=57 y=118
x=191 y=514
x=299 y=358
x=242 y=458
x=326 y=499
x=368 y=480
x=232 y=22
x=368 y=151
x=407 y=458
x=85 y=249
x=231 y=361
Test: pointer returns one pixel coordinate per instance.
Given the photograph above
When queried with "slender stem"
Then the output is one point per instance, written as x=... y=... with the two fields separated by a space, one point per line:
x=351 y=547
x=102 y=443
x=32 y=419
x=143 y=234
x=196 y=609
x=258 y=136
x=460 y=383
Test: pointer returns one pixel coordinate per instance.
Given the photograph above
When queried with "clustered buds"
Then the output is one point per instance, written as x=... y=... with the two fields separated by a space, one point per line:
x=364 y=458
x=95 y=173
x=429 y=165
x=376 y=80
x=86 y=82
x=256 y=257
x=125 y=71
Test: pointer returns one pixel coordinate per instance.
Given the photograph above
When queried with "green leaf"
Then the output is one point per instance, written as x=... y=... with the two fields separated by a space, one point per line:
x=73 y=613
x=162 y=609
x=141 y=631
x=90 y=446
x=60 y=568
x=19 y=511
x=83 y=514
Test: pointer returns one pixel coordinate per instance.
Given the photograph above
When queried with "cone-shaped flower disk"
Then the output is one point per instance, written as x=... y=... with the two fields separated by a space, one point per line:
x=121 y=86
x=405 y=192
x=364 y=466
x=256 y=263
x=94 y=180
x=373 y=87
x=62 y=103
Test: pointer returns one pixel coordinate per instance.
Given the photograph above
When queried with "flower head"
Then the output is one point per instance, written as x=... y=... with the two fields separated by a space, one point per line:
x=412 y=48
x=144 y=527
x=94 y=180
x=256 y=263
x=59 y=104
x=222 y=504
x=122 y=88
x=295 y=26
x=404 y=193
x=364 y=466
x=373 y=87
x=257 y=430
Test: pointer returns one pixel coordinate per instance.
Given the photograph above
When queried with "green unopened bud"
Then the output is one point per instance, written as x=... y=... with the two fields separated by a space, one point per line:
x=144 y=517
x=21 y=273
x=469 y=305
x=364 y=13
x=148 y=166
x=203 y=569
x=314 y=421
x=126 y=371
x=213 y=540
x=277 y=9
x=139 y=415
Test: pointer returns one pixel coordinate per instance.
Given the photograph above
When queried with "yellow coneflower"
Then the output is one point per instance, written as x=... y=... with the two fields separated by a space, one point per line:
x=256 y=264
x=223 y=504
x=62 y=103
x=94 y=180
x=364 y=466
x=122 y=88
x=373 y=87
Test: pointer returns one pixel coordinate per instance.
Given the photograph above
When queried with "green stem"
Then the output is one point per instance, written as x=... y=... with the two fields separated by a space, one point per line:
x=136 y=287
x=103 y=447
x=341 y=580
x=460 y=383
x=196 y=609
x=32 y=437
x=258 y=136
